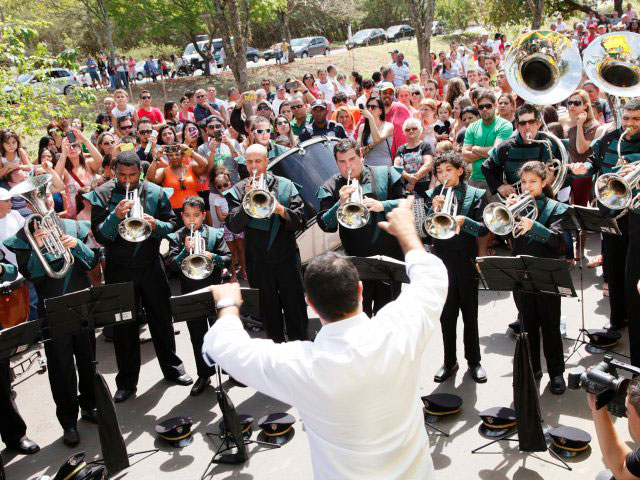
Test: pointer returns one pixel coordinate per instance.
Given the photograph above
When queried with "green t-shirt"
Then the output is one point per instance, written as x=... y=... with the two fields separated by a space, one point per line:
x=480 y=135
x=296 y=129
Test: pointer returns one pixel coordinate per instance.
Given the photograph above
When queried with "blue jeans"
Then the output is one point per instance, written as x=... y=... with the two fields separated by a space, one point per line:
x=124 y=79
x=112 y=78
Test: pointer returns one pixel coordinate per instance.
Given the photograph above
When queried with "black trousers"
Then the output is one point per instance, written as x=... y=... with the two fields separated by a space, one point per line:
x=281 y=290
x=64 y=355
x=152 y=288
x=615 y=255
x=12 y=426
x=541 y=313
x=632 y=296
x=462 y=296
x=197 y=330
x=376 y=294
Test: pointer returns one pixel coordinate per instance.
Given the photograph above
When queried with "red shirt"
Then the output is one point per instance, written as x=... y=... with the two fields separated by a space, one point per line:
x=396 y=115
x=155 y=115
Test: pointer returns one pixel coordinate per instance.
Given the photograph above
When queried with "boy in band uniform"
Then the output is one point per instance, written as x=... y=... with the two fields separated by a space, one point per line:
x=216 y=250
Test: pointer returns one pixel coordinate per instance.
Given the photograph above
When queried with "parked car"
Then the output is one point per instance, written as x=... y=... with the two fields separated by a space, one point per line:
x=438 y=28
x=269 y=54
x=60 y=80
x=253 y=54
x=192 y=56
x=310 y=46
x=364 y=38
x=400 y=32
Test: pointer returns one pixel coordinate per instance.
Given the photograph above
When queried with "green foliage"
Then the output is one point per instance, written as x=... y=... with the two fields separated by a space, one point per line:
x=27 y=107
x=456 y=14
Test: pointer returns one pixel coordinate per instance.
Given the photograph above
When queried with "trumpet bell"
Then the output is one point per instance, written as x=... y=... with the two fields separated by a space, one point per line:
x=196 y=267
x=353 y=215
x=612 y=62
x=498 y=219
x=440 y=226
x=134 y=229
x=259 y=204
x=612 y=191
x=543 y=67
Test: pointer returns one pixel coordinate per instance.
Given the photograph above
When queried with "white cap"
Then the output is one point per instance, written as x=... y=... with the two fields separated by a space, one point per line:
x=4 y=194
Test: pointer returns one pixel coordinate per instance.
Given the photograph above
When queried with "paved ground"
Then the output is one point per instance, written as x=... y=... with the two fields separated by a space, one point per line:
x=158 y=400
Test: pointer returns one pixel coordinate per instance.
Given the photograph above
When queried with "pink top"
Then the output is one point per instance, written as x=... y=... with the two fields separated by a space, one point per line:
x=132 y=66
x=72 y=187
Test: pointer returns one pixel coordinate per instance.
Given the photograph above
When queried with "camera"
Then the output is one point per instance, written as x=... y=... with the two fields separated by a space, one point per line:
x=604 y=382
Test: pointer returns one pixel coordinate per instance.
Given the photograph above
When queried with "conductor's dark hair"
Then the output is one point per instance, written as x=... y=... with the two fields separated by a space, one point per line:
x=634 y=394
x=194 y=202
x=331 y=283
x=127 y=159
x=633 y=104
x=527 y=108
x=454 y=159
x=344 y=145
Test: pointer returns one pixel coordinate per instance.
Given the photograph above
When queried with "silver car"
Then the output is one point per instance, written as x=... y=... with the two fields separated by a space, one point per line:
x=58 y=80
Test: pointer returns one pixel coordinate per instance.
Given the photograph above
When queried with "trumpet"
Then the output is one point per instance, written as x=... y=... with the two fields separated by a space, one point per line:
x=442 y=224
x=259 y=202
x=197 y=265
x=503 y=220
x=134 y=228
x=34 y=190
x=616 y=191
x=353 y=214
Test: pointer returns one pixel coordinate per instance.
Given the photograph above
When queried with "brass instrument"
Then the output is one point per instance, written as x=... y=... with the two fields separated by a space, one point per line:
x=503 y=220
x=442 y=224
x=35 y=190
x=197 y=265
x=353 y=214
x=616 y=192
x=259 y=202
x=134 y=228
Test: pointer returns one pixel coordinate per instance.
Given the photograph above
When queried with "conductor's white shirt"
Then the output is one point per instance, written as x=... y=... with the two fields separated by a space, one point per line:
x=356 y=385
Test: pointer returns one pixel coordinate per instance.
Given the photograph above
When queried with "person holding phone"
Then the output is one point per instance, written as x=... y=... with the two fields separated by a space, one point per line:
x=220 y=149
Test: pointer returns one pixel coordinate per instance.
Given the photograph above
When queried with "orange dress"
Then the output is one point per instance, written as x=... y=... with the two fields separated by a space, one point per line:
x=179 y=194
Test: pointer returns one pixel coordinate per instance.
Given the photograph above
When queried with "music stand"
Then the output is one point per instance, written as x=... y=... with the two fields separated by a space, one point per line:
x=200 y=303
x=530 y=275
x=85 y=310
x=380 y=267
x=587 y=219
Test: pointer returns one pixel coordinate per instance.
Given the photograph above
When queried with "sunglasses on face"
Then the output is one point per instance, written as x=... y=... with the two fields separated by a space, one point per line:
x=261 y=131
x=146 y=97
x=221 y=186
x=575 y=103
x=145 y=132
x=200 y=96
x=410 y=129
x=522 y=123
x=296 y=107
x=126 y=127
x=485 y=106
x=263 y=108
x=112 y=142
x=415 y=94
x=372 y=107
x=214 y=127
x=282 y=122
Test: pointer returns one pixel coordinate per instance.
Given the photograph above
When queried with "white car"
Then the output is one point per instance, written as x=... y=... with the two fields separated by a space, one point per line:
x=61 y=81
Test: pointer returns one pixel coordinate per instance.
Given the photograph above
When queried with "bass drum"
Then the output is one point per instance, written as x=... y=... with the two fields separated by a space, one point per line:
x=14 y=303
x=309 y=165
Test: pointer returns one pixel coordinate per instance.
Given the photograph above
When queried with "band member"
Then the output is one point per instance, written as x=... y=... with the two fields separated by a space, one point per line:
x=141 y=264
x=541 y=238
x=13 y=430
x=66 y=353
x=273 y=259
x=181 y=245
x=381 y=188
x=632 y=274
x=615 y=247
x=458 y=253
x=504 y=162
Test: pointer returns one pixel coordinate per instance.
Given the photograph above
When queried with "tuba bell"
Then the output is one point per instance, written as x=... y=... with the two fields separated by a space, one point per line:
x=503 y=220
x=134 y=228
x=197 y=265
x=34 y=190
x=442 y=224
x=615 y=191
x=259 y=202
x=353 y=214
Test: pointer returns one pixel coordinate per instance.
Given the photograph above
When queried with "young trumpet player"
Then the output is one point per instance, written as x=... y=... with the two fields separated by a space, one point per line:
x=541 y=237
x=182 y=247
x=458 y=253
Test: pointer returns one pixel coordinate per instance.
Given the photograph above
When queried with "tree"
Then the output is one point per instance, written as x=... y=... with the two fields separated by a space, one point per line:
x=537 y=9
x=422 y=12
x=234 y=17
x=456 y=13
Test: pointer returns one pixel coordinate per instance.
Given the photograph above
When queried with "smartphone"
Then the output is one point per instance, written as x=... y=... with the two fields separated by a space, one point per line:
x=71 y=137
x=291 y=85
x=250 y=96
x=171 y=148
x=217 y=135
x=125 y=147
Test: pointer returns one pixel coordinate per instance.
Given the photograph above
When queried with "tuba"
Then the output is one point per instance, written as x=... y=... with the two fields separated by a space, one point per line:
x=544 y=68
x=259 y=202
x=442 y=224
x=134 y=228
x=197 y=265
x=353 y=214
x=503 y=220
x=34 y=190
x=616 y=192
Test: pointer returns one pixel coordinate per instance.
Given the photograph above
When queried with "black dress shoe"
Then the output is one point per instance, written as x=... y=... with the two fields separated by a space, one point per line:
x=25 y=446
x=183 y=380
x=122 y=394
x=616 y=326
x=477 y=373
x=71 y=437
x=557 y=385
x=445 y=372
x=200 y=385
x=89 y=415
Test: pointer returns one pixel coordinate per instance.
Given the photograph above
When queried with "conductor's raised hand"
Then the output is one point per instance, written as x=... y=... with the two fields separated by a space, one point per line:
x=401 y=224
x=227 y=290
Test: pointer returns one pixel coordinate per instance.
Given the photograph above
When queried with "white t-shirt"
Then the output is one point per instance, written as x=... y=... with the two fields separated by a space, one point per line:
x=15 y=161
x=117 y=113
x=561 y=27
x=216 y=200
x=327 y=89
x=277 y=102
x=347 y=90
x=9 y=226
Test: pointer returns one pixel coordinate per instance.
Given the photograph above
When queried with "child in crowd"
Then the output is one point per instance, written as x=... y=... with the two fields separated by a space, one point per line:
x=123 y=108
x=442 y=126
x=11 y=151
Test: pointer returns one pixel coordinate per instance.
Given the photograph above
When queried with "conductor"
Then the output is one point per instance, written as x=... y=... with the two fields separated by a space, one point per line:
x=375 y=362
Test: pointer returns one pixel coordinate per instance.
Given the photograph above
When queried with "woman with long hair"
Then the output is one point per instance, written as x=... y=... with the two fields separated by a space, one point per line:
x=285 y=109
x=345 y=118
x=192 y=137
x=403 y=95
x=634 y=26
x=416 y=97
x=167 y=135
x=375 y=135
x=172 y=115
x=283 y=128
x=185 y=114
x=449 y=71
x=428 y=110
x=309 y=82
x=458 y=106
x=356 y=83
x=507 y=107
x=455 y=89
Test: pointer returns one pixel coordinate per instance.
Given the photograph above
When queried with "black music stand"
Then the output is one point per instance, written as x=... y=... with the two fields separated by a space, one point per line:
x=200 y=304
x=587 y=219
x=86 y=310
x=530 y=275
x=380 y=267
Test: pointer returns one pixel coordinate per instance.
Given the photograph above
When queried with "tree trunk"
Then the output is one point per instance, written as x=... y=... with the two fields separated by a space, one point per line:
x=108 y=32
x=283 y=16
x=617 y=6
x=422 y=12
x=234 y=22
x=537 y=8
